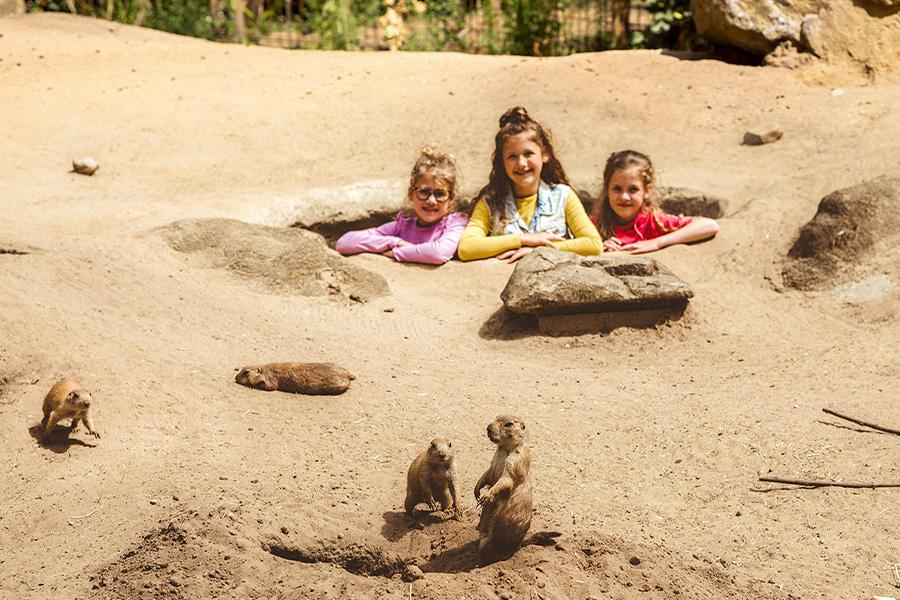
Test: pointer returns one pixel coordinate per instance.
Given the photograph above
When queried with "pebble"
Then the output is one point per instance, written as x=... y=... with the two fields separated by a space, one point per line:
x=413 y=573
x=85 y=166
x=634 y=560
x=758 y=139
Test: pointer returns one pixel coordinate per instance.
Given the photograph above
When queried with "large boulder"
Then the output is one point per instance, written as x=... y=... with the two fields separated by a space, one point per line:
x=846 y=229
x=859 y=32
x=549 y=281
x=285 y=259
x=757 y=27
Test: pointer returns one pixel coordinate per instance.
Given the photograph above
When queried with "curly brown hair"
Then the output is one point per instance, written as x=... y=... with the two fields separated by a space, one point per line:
x=513 y=122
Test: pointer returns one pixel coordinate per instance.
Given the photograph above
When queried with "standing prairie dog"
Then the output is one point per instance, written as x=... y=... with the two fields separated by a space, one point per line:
x=504 y=492
x=67 y=400
x=432 y=479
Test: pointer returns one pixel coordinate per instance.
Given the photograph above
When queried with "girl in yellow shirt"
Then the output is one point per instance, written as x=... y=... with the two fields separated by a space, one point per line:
x=527 y=202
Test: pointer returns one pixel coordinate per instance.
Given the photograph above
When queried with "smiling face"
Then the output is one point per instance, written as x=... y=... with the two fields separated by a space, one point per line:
x=523 y=159
x=430 y=198
x=627 y=193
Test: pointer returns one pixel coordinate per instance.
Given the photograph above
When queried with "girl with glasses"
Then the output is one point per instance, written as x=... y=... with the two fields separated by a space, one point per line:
x=430 y=232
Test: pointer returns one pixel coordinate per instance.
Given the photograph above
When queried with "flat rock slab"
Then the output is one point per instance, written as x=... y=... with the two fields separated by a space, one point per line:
x=605 y=322
x=552 y=282
x=286 y=259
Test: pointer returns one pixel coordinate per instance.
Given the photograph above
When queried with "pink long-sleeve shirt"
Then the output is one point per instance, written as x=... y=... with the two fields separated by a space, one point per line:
x=433 y=245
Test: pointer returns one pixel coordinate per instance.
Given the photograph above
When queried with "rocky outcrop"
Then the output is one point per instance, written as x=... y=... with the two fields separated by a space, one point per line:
x=549 y=281
x=845 y=230
x=861 y=32
x=285 y=259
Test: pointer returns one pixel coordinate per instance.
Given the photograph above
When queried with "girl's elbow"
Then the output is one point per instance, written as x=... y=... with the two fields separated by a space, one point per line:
x=465 y=252
x=711 y=227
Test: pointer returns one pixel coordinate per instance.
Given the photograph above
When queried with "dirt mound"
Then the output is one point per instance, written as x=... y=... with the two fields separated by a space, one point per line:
x=181 y=559
x=285 y=259
x=850 y=226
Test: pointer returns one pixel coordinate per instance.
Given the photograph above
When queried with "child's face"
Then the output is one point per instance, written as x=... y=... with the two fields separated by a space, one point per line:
x=430 y=198
x=523 y=160
x=627 y=193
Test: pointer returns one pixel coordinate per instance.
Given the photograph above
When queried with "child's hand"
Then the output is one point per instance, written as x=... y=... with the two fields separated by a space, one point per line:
x=541 y=238
x=612 y=244
x=402 y=243
x=642 y=246
x=511 y=256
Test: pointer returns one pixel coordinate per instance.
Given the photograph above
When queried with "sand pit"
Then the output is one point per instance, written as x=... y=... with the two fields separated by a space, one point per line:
x=647 y=443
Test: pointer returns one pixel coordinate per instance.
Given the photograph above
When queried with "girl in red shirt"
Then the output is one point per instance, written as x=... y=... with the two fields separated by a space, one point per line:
x=626 y=216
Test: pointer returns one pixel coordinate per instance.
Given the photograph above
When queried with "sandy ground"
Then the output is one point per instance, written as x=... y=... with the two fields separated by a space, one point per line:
x=647 y=443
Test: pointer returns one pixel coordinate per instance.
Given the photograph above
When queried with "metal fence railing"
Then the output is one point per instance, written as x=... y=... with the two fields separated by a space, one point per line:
x=528 y=27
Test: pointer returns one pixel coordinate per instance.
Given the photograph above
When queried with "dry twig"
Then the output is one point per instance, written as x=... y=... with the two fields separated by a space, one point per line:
x=863 y=423
x=827 y=483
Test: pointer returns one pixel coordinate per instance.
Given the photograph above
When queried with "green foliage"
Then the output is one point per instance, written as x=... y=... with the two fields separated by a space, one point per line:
x=445 y=18
x=531 y=26
x=336 y=26
x=525 y=27
x=670 y=21
x=184 y=17
x=366 y=12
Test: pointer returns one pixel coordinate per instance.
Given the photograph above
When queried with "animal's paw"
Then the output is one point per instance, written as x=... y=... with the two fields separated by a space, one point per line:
x=95 y=434
x=457 y=514
x=486 y=498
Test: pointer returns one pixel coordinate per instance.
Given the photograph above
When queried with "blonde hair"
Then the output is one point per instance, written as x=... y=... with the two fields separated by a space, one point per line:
x=441 y=166
x=623 y=161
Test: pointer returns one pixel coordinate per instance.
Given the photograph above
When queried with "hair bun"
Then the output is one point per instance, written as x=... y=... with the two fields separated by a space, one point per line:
x=517 y=114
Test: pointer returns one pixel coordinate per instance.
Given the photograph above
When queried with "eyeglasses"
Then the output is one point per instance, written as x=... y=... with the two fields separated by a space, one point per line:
x=440 y=196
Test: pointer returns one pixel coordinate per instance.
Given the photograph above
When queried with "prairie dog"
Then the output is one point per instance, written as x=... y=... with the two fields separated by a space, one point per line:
x=432 y=479
x=67 y=400
x=297 y=378
x=504 y=491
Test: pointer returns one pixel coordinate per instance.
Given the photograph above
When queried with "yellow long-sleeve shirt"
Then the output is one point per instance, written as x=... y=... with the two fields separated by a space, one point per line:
x=477 y=242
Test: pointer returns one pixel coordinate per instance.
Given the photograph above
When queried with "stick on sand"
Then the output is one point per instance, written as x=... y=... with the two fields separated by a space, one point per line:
x=827 y=483
x=863 y=423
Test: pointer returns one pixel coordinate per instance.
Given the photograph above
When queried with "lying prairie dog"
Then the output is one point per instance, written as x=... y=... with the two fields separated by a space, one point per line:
x=432 y=479
x=504 y=491
x=67 y=400
x=297 y=378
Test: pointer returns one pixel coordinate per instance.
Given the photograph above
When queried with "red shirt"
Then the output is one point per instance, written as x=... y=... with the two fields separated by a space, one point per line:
x=648 y=225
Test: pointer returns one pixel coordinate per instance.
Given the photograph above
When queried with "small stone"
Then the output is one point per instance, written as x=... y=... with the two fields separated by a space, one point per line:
x=634 y=560
x=85 y=166
x=389 y=309
x=153 y=501
x=412 y=573
x=758 y=139
x=284 y=530
x=504 y=596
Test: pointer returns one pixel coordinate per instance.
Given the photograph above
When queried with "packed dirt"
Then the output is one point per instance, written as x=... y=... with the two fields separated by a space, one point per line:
x=647 y=444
